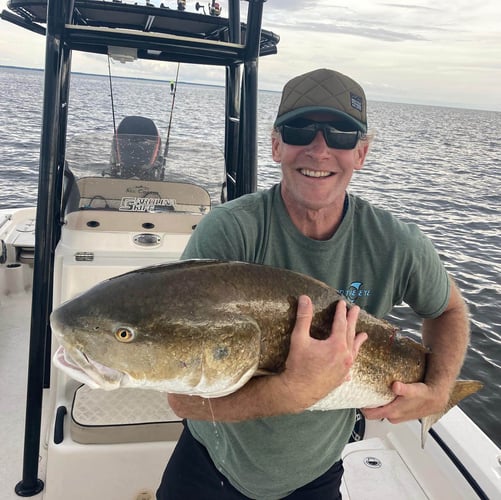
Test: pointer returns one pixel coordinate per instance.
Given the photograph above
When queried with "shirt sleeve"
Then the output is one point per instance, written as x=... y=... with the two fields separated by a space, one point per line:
x=428 y=286
x=217 y=236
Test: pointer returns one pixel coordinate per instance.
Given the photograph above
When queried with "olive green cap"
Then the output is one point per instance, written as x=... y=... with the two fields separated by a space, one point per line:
x=323 y=90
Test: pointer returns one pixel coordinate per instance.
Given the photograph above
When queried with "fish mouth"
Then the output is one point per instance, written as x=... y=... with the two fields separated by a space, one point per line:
x=80 y=367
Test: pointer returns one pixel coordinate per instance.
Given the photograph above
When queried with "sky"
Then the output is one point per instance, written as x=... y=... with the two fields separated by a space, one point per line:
x=436 y=52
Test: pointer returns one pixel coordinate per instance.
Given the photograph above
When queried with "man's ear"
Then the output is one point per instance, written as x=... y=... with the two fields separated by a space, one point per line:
x=276 y=147
x=360 y=154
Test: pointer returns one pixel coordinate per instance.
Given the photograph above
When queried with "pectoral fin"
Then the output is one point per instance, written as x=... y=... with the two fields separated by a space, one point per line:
x=230 y=356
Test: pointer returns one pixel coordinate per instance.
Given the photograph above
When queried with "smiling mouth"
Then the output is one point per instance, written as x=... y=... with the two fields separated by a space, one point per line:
x=314 y=173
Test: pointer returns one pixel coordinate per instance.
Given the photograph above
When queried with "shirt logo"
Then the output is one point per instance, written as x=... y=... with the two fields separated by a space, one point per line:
x=354 y=291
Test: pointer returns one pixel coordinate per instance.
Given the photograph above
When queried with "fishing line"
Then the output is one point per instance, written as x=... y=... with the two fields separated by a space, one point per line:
x=166 y=150
x=111 y=95
x=115 y=138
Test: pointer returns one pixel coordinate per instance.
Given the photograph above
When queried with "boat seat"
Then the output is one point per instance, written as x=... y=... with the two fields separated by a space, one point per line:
x=124 y=415
x=22 y=240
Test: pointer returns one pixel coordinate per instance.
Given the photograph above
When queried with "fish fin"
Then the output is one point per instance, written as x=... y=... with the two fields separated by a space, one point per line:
x=426 y=423
x=228 y=358
x=461 y=390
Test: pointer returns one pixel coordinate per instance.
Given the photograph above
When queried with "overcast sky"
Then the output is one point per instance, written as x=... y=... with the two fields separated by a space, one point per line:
x=439 y=52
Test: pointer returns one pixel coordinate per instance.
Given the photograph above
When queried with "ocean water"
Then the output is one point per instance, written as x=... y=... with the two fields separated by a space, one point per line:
x=437 y=167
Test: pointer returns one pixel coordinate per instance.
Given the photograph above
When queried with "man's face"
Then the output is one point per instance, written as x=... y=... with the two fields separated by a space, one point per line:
x=316 y=176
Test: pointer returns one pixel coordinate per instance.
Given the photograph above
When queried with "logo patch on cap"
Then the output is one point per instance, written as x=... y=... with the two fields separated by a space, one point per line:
x=356 y=102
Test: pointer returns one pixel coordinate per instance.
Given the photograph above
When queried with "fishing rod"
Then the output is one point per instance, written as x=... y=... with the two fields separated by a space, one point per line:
x=115 y=139
x=174 y=91
x=111 y=95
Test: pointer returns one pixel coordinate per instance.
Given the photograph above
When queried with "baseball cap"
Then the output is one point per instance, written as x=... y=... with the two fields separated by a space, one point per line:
x=323 y=90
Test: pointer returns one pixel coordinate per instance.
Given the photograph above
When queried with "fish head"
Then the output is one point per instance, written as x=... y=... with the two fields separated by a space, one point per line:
x=111 y=338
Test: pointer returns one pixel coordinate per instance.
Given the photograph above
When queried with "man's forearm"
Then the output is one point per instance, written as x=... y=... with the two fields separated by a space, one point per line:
x=260 y=397
x=447 y=336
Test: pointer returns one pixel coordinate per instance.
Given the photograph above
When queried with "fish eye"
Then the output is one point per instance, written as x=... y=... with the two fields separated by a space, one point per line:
x=124 y=334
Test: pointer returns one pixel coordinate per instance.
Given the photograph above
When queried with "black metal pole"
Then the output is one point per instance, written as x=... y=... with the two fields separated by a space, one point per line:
x=58 y=172
x=247 y=166
x=232 y=103
x=56 y=73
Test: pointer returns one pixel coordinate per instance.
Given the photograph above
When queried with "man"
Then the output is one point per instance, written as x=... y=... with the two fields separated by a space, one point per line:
x=259 y=442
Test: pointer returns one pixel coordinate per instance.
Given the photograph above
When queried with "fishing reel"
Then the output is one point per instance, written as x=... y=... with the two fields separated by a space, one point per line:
x=214 y=8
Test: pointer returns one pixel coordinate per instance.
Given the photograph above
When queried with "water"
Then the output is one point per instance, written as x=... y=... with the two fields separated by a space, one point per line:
x=438 y=167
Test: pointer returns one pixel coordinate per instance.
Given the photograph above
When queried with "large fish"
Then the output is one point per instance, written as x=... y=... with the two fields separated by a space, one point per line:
x=206 y=327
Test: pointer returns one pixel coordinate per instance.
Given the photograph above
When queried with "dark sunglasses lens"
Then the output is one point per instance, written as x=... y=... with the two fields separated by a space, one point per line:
x=298 y=136
x=340 y=140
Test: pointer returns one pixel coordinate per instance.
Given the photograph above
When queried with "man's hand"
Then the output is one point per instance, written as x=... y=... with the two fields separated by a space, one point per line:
x=412 y=401
x=316 y=367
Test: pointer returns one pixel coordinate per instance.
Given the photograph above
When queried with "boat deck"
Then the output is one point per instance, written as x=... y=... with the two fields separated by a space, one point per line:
x=14 y=345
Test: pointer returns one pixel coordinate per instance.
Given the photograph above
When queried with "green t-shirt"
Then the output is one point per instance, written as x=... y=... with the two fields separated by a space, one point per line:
x=373 y=259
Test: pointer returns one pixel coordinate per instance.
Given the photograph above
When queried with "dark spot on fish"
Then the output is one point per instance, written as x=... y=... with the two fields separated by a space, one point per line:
x=220 y=352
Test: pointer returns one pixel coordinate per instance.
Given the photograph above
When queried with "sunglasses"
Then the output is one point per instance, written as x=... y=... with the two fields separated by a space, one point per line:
x=302 y=132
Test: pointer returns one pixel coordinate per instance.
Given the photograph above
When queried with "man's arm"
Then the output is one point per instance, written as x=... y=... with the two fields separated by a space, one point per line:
x=313 y=369
x=447 y=336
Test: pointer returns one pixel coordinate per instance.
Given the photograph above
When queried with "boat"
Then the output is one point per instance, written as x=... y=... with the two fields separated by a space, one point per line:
x=93 y=222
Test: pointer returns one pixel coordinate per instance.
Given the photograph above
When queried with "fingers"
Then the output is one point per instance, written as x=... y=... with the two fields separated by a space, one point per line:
x=304 y=307
x=314 y=367
x=360 y=337
x=304 y=316
x=401 y=389
x=351 y=315
x=359 y=340
x=411 y=401
x=345 y=320
x=340 y=322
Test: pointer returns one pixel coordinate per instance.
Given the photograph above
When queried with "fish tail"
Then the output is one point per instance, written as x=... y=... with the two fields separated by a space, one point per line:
x=461 y=390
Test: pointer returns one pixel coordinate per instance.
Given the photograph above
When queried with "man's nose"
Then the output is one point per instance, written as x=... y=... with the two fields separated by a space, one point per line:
x=318 y=146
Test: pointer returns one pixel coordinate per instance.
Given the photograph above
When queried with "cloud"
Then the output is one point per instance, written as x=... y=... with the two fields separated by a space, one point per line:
x=364 y=31
x=424 y=50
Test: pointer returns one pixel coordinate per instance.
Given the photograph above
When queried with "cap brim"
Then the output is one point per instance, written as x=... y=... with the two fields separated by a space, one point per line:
x=296 y=113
